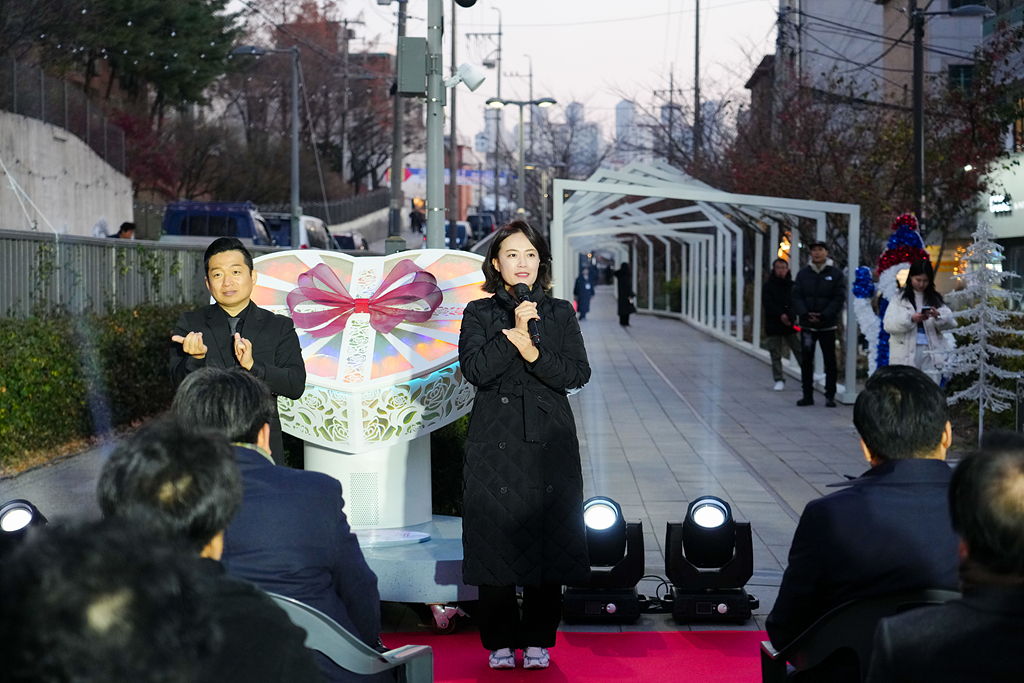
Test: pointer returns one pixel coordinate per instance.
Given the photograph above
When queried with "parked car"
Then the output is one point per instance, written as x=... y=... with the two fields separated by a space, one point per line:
x=350 y=241
x=203 y=222
x=483 y=224
x=313 y=233
x=463 y=234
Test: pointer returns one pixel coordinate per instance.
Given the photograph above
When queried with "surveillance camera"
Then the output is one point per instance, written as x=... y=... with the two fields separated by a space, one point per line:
x=471 y=76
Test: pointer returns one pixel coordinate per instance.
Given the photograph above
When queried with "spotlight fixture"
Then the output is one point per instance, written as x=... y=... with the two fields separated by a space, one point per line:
x=707 y=582
x=16 y=518
x=616 y=565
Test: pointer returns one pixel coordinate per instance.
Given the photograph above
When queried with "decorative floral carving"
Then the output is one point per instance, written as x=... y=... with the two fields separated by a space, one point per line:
x=387 y=416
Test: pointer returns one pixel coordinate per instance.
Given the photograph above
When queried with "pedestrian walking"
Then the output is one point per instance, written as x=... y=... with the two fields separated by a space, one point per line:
x=778 y=319
x=915 y=321
x=625 y=284
x=523 y=482
x=818 y=295
x=583 y=291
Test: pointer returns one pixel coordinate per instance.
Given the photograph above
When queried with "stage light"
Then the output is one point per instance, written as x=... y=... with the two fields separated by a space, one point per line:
x=606 y=531
x=709 y=533
x=16 y=518
x=707 y=582
x=616 y=550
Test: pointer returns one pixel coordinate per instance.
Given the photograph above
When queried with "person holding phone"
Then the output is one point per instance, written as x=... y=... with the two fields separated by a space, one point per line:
x=915 y=321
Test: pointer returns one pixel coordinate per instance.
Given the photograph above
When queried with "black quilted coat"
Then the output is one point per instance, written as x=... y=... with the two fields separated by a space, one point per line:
x=522 y=481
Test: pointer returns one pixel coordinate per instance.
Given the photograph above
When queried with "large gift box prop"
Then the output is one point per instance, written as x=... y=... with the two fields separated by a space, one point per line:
x=380 y=337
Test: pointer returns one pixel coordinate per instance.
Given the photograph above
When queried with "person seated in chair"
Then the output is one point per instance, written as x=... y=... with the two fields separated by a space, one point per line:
x=886 y=531
x=103 y=602
x=182 y=485
x=290 y=536
x=976 y=638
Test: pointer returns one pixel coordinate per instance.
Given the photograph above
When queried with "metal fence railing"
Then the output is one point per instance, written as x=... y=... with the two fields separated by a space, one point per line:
x=43 y=271
x=28 y=91
x=341 y=210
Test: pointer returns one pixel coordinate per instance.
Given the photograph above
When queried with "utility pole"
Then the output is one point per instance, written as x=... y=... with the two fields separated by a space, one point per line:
x=395 y=242
x=917 y=25
x=497 y=114
x=671 y=113
x=453 y=159
x=435 y=124
x=697 y=123
x=296 y=209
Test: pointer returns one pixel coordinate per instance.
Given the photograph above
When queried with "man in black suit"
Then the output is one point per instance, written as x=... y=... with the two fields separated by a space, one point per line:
x=976 y=638
x=290 y=535
x=887 y=530
x=235 y=332
x=181 y=485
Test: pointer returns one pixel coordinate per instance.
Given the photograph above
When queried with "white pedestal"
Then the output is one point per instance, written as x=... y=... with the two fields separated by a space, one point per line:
x=383 y=489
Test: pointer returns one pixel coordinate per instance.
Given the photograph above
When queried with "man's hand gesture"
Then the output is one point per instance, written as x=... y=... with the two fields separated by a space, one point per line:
x=243 y=351
x=192 y=344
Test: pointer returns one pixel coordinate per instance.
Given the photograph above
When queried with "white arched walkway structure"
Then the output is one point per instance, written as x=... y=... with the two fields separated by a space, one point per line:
x=701 y=239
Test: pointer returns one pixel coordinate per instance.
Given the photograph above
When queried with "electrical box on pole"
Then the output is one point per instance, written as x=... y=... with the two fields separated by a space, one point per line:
x=412 y=67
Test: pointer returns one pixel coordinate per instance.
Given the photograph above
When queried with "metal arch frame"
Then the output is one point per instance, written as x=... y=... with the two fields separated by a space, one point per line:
x=610 y=203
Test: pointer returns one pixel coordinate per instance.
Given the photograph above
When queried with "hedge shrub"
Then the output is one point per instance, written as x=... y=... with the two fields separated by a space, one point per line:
x=65 y=378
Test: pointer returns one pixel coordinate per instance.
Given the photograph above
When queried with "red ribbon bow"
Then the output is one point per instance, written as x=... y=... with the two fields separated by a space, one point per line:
x=320 y=286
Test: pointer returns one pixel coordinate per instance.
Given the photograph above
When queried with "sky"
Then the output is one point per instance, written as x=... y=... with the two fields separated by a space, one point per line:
x=596 y=52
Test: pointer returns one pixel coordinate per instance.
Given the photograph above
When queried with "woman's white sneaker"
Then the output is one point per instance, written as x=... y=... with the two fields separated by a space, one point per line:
x=536 y=658
x=780 y=385
x=505 y=658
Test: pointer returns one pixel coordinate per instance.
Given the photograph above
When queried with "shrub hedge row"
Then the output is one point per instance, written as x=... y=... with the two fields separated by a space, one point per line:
x=64 y=378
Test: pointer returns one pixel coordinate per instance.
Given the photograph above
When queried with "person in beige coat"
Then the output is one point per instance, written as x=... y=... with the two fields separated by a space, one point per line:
x=915 y=321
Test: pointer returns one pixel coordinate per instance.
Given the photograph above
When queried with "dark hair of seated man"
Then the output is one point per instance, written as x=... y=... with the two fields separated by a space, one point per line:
x=986 y=499
x=178 y=482
x=232 y=402
x=104 y=603
x=175 y=480
x=900 y=414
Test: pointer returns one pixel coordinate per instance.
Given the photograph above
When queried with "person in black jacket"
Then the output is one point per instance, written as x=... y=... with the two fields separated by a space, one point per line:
x=778 y=319
x=884 y=532
x=235 y=332
x=818 y=296
x=978 y=637
x=309 y=554
x=583 y=290
x=624 y=275
x=182 y=484
x=523 y=483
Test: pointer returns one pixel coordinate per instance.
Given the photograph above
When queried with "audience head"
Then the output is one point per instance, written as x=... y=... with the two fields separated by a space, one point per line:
x=231 y=402
x=780 y=268
x=986 y=502
x=103 y=603
x=902 y=414
x=921 y=278
x=176 y=481
x=126 y=231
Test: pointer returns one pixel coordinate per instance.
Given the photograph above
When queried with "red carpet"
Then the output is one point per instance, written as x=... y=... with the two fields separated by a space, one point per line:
x=693 y=656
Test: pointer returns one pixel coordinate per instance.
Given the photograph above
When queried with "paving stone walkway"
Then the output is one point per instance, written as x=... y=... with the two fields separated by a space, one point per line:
x=671 y=414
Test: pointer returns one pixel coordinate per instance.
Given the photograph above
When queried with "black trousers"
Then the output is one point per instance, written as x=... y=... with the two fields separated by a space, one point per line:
x=502 y=626
x=827 y=340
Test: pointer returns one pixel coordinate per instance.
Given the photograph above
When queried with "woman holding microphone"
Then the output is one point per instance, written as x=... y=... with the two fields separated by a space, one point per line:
x=523 y=484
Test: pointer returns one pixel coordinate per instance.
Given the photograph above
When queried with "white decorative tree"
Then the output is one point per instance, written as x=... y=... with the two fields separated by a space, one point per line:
x=985 y=312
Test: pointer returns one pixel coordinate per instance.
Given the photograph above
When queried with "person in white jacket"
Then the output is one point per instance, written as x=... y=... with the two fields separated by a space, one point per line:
x=915 y=321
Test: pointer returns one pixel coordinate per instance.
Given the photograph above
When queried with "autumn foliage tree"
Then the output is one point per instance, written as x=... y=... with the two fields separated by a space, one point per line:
x=845 y=144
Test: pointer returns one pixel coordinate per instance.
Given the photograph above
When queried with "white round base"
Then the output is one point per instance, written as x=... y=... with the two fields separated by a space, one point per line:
x=383 y=489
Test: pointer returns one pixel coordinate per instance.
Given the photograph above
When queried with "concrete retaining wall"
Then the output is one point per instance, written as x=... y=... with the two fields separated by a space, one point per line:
x=72 y=186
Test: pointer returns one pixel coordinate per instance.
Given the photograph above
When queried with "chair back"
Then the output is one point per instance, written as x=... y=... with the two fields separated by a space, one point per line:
x=326 y=636
x=852 y=626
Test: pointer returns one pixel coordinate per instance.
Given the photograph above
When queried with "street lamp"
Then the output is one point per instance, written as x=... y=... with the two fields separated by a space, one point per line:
x=498 y=104
x=254 y=51
x=917 y=18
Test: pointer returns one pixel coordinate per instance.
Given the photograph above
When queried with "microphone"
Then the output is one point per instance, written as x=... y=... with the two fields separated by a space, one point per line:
x=522 y=293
